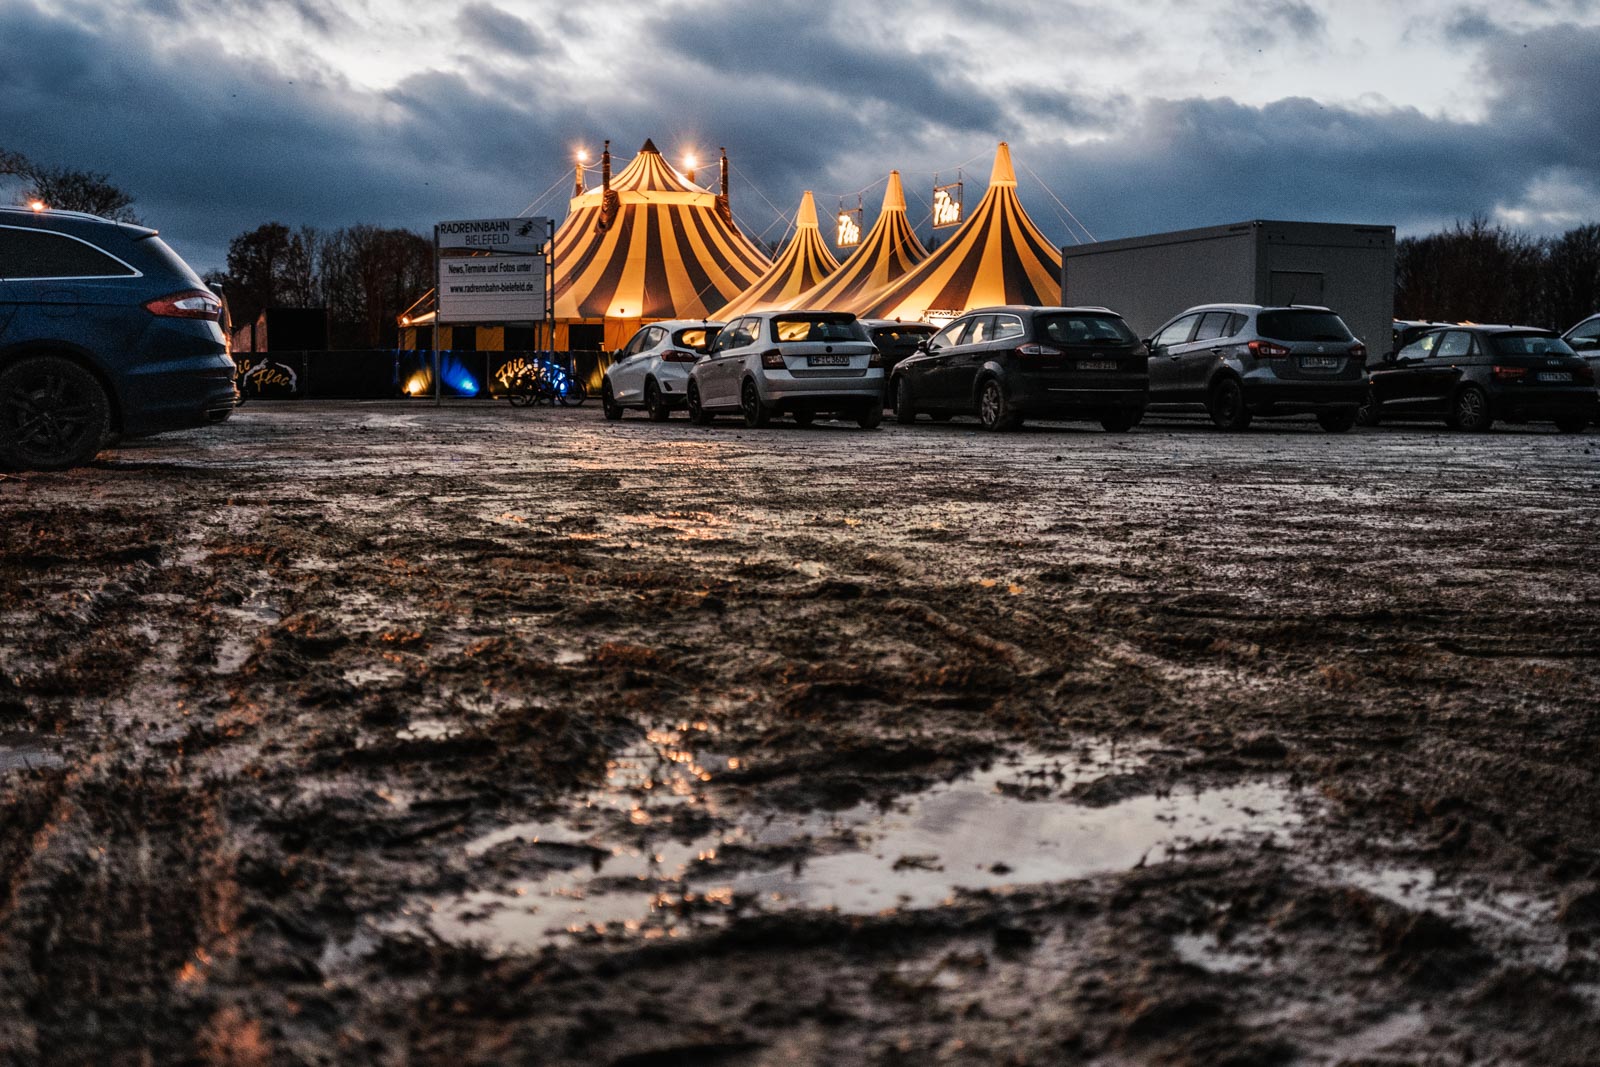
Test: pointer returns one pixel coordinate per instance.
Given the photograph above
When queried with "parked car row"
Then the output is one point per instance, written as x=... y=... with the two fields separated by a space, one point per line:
x=1003 y=365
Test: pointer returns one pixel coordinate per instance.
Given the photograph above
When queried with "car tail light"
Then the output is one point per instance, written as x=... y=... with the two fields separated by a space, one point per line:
x=1358 y=352
x=1583 y=375
x=772 y=359
x=1509 y=374
x=673 y=355
x=1268 y=350
x=876 y=359
x=188 y=304
x=1038 y=351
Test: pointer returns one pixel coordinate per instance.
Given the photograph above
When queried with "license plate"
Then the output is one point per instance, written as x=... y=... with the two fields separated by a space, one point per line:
x=1321 y=362
x=828 y=361
x=1555 y=376
x=1097 y=364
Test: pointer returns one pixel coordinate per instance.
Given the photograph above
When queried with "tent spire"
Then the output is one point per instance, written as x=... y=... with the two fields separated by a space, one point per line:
x=724 y=205
x=894 y=197
x=807 y=218
x=1003 y=173
x=610 y=203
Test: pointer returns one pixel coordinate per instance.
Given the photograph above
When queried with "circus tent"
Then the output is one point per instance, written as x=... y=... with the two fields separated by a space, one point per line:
x=802 y=264
x=889 y=250
x=997 y=256
x=648 y=244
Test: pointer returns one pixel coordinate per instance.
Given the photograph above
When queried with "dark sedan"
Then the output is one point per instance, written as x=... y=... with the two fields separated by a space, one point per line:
x=1470 y=376
x=896 y=340
x=1005 y=364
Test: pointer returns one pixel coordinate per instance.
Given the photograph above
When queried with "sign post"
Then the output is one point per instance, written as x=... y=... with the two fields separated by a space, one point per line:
x=490 y=270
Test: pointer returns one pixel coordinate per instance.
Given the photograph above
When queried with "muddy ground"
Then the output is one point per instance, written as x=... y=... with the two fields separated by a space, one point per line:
x=379 y=734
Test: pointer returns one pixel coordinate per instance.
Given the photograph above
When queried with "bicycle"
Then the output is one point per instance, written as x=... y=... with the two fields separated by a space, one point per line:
x=525 y=383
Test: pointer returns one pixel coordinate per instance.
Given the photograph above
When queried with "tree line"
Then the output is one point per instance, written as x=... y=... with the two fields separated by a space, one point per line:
x=1475 y=272
x=364 y=275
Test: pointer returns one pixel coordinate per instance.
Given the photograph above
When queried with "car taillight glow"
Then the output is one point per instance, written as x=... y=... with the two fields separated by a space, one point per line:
x=188 y=304
x=772 y=359
x=1037 y=351
x=1509 y=374
x=674 y=355
x=1268 y=350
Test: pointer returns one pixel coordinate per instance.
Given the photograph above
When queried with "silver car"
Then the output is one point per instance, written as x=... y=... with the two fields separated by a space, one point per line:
x=796 y=363
x=652 y=371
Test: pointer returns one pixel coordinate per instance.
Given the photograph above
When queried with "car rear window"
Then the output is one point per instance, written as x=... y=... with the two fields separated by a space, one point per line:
x=900 y=338
x=842 y=327
x=1085 y=330
x=698 y=338
x=28 y=253
x=1528 y=344
x=1303 y=326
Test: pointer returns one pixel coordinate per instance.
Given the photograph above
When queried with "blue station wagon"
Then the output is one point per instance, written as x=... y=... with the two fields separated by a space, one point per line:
x=104 y=332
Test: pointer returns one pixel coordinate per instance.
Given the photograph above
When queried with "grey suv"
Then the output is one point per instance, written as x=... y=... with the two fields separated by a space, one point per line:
x=1237 y=361
x=799 y=363
x=104 y=331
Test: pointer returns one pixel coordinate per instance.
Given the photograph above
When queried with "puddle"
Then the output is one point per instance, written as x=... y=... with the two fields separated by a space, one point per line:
x=618 y=866
x=1207 y=953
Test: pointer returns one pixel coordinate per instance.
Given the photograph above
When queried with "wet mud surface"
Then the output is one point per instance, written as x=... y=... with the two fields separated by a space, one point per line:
x=376 y=734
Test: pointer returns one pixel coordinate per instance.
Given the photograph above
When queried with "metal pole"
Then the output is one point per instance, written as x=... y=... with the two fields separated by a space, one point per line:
x=438 y=305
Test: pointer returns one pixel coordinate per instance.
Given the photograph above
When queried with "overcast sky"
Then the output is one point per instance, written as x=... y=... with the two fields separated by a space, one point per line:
x=218 y=115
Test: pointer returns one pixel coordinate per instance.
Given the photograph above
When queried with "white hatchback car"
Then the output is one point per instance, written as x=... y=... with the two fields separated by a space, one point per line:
x=652 y=371
x=796 y=363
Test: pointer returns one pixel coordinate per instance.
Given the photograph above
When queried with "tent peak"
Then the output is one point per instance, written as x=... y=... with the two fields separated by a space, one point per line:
x=1003 y=173
x=649 y=148
x=894 y=197
x=807 y=218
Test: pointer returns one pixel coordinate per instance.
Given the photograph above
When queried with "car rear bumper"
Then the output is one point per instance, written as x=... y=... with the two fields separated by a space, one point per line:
x=177 y=394
x=785 y=392
x=1046 y=399
x=1277 y=396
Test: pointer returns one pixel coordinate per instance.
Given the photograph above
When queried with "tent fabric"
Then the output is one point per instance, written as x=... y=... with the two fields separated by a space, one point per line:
x=651 y=246
x=806 y=261
x=888 y=251
x=996 y=256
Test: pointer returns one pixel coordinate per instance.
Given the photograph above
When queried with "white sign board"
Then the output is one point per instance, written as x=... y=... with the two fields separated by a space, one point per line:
x=524 y=237
x=492 y=289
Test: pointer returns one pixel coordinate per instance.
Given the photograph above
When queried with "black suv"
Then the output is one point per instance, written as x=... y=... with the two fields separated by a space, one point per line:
x=104 y=332
x=1469 y=376
x=1238 y=361
x=1005 y=364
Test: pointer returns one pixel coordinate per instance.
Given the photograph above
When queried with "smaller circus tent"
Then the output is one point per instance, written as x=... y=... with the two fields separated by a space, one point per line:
x=802 y=264
x=996 y=256
x=647 y=245
x=890 y=249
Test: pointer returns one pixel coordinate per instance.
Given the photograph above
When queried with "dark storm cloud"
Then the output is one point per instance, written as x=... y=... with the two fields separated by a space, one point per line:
x=801 y=97
x=799 y=44
x=492 y=27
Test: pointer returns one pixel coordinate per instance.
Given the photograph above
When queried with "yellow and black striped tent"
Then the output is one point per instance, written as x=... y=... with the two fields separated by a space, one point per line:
x=806 y=261
x=996 y=256
x=648 y=244
x=889 y=250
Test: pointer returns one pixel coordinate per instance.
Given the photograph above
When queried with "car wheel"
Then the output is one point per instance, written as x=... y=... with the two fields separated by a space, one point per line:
x=870 y=416
x=1571 y=423
x=756 y=413
x=1368 y=413
x=1227 y=405
x=994 y=411
x=654 y=406
x=697 y=414
x=608 y=401
x=1339 y=420
x=1117 y=420
x=803 y=417
x=53 y=414
x=1470 y=410
x=905 y=412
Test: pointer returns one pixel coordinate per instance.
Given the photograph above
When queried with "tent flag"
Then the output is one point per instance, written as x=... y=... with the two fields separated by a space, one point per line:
x=803 y=263
x=997 y=256
x=889 y=250
x=649 y=244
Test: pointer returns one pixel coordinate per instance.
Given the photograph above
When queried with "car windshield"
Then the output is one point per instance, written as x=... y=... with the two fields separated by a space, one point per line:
x=1085 y=330
x=1303 y=326
x=817 y=328
x=1529 y=344
x=698 y=338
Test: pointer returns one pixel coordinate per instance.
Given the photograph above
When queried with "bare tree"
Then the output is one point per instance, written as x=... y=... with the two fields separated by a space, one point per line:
x=68 y=189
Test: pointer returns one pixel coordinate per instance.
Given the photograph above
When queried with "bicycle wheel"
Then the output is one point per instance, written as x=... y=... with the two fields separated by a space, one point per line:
x=573 y=394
